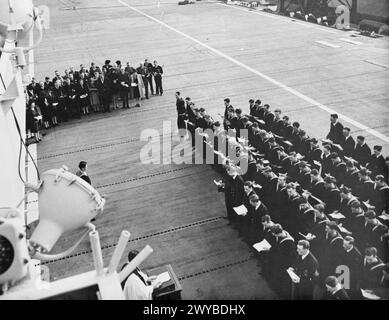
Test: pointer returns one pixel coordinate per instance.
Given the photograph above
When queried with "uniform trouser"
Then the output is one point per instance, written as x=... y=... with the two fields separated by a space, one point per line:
x=158 y=84
x=146 y=83
x=181 y=125
x=63 y=111
x=106 y=98
x=74 y=107
x=150 y=81
x=191 y=129
x=124 y=97
x=230 y=210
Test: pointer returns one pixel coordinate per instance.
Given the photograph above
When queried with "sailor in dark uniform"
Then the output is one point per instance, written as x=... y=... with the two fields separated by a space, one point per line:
x=227 y=106
x=181 y=115
x=286 y=129
x=319 y=230
x=377 y=162
x=365 y=188
x=347 y=143
x=314 y=152
x=336 y=130
x=380 y=199
x=229 y=121
x=362 y=152
x=304 y=178
x=149 y=71
x=372 y=269
x=279 y=197
x=317 y=184
x=326 y=163
x=374 y=232
x=352 y=258
x=293 y=166
x=255 y=212
x=302 y=144
x=283 y=256
x=306 y=219
x=191 y=124
x=238 y=122
x=233 y=190
x=306 y=268
x=124 y=87
x=351 y=179
x=158 y=72
x=333 y=249
x=347 y=199
x=335 y=291
x=290 y=212
x=332 y=195
x=358 y=223
x=338 y=169
x=266 y=257
x=277 y=122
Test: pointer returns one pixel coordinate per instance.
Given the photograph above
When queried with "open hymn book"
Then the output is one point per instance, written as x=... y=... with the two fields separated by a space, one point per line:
x=262 y=246
x=241 y=210
x=293 y=276
x=163 y=277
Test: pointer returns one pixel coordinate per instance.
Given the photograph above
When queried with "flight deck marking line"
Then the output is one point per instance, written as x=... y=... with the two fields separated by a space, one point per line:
x=350 y=41
x=376 y=63
x=284 y=19
x=265 y=77
x=327 y=44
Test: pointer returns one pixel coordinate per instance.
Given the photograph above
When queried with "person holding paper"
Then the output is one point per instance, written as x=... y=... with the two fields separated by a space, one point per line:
x=139 y=286
x=372 y=269
x=256 y=211
x=284 y=245
x=306 y=268
x=242 y=222
x=282 y=256
x=265 y=232
x=233 y=191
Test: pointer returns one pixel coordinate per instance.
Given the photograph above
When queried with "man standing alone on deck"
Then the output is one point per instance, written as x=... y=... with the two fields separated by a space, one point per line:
x=181 y=115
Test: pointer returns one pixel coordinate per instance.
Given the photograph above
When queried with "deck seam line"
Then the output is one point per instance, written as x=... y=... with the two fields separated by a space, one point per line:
x=167 y=231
